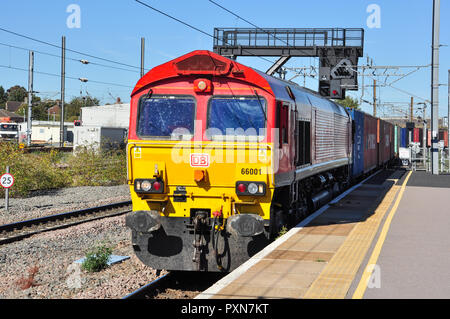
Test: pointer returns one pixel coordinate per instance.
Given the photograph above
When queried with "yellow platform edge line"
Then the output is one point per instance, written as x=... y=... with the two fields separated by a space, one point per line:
x=362 y=286
x=350 y=254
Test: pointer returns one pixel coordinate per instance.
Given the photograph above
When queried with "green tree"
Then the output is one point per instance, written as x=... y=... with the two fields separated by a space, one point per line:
x=3 y=97
x=73 y=108
x=17 y=93
x=349 y=102
x=39 y=109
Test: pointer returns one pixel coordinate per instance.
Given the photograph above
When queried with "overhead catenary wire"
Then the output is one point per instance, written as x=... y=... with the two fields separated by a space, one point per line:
x=67 y=77
x=251 y=23
x=68 y=58
x=193 y=27
x=70 y=50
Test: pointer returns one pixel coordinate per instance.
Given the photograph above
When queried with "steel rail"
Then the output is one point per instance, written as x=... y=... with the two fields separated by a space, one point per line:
x=141 y=292
x=42 y=221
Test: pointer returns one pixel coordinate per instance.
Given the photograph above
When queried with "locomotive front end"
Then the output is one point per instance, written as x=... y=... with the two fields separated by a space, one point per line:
x=200 y=165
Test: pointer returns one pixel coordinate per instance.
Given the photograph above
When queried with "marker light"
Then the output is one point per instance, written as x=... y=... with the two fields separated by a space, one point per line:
x=261 y=188
x=156 y=186
x=241 y=188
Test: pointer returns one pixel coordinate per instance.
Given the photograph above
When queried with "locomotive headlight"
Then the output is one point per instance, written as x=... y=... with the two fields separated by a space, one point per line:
x=202 y=85
x=252 y=188
x=146 y=186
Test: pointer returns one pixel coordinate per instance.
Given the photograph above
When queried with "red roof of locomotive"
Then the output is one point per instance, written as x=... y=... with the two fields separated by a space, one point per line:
x=201 y=63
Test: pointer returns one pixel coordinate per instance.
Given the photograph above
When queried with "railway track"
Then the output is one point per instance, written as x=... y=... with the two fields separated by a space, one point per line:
x=17 y=231
x=176 y=285
x=151 y=289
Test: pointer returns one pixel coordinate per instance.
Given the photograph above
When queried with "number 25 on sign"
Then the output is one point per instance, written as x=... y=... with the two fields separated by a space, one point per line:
x=7 y=180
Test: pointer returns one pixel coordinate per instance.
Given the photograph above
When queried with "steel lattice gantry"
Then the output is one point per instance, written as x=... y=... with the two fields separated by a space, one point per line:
x=338 y=50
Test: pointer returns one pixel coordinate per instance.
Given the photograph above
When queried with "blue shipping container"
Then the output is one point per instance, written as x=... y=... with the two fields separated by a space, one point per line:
x=358 y=142
x=403 y=137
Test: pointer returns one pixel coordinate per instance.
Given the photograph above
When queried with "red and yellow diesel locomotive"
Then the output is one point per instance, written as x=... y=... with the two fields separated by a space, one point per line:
x=222 y=156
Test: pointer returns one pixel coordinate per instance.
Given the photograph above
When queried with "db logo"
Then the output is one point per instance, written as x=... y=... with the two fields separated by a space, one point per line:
x=199 y=160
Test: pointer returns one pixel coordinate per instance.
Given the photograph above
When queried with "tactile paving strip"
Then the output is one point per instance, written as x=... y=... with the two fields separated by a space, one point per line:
x=336 y=278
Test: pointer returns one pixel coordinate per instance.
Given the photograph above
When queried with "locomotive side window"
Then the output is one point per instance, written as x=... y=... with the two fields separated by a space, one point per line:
x=236 y=116
x=166 y=116
x=304 y=143
x=282 y=123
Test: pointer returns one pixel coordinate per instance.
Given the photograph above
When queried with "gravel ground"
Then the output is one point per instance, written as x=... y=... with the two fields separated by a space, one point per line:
x=61 y=278
x=48 y=202
x=47 y=260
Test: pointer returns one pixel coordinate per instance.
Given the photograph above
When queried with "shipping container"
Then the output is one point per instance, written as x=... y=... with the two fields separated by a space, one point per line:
x=443 y=136
x=358 y=142
x=396 y=139
x=421 y=137
x=446 y=139
x=99 y=137
x=385 y=136
x=370 y=142
x=116 y=115
x=399 y=137
x=416 y=137
x=404 y=137
x=390 y=131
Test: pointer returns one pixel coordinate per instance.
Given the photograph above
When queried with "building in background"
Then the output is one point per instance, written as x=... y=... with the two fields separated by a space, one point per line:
x=47 y=132
x=13 y=106
x=104 y=126
x=7 y=116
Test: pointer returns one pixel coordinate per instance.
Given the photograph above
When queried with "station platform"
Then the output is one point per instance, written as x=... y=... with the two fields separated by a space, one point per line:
x=386 y=237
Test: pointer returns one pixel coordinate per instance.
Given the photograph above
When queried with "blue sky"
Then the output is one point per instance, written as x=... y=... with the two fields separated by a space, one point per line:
x=112 y=30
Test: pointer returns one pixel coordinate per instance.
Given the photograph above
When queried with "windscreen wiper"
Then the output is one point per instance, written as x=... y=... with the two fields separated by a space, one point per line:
x=149 y=94
x=260 y=104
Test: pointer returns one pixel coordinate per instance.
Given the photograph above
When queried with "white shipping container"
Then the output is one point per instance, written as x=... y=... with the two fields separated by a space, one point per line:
x=117 y=115
x=99 y=137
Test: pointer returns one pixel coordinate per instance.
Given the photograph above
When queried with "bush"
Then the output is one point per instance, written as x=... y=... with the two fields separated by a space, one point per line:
x=96 y=259
x=90 y=167
x=40 y=171
x=31 y=171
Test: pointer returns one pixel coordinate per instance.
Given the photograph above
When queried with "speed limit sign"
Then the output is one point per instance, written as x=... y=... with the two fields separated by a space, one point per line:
x=7 y=180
